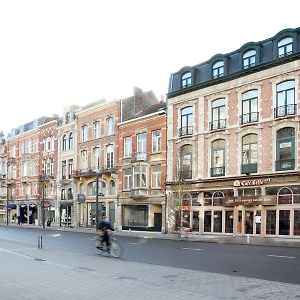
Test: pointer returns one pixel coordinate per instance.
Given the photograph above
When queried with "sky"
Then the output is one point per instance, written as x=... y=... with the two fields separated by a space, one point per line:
x=55 y=53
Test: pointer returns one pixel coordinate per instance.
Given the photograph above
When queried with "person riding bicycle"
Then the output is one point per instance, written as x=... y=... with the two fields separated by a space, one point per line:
x=103 y=227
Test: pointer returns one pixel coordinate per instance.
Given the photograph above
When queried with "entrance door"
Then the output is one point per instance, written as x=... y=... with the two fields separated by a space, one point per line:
x=248 y=222
x=157 y=222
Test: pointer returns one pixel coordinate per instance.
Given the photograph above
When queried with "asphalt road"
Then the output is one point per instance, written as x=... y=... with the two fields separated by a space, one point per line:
x=271 y=263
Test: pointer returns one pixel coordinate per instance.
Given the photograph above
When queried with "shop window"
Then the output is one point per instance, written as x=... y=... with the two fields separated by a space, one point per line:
x=296 y=222
x=249 y=192
x=195 y=221
x=218 y=198
x=228 y=221
x=271 y=222
x=207 y=221
x=248 y=222
x=218 y=221
x=284 y=222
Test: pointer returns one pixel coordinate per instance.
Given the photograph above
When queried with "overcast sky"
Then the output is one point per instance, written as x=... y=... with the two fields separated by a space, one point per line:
x=60 y=52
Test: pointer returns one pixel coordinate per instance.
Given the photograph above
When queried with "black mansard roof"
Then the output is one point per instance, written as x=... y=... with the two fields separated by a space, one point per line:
x=266 y=57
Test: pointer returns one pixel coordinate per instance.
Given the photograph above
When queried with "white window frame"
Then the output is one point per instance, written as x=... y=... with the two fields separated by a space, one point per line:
x=156 y=141
x=128 y=146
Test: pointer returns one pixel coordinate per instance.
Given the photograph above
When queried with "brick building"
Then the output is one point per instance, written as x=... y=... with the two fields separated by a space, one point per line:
x=142 y=170
x=233 y=141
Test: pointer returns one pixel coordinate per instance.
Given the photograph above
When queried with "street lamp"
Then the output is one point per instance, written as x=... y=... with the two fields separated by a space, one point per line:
x=7 y=193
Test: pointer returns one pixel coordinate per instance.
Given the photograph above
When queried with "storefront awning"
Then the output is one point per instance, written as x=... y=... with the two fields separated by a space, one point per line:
x=12 y=206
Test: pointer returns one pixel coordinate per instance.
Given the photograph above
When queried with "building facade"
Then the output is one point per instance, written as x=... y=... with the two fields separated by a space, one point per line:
x=233 y=141
x=142 y=170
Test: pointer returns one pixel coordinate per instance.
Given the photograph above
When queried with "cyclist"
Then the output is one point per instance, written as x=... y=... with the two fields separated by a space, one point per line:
x=103 y=227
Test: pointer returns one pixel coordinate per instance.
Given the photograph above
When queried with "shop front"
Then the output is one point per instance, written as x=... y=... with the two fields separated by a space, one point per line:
x=263 y=207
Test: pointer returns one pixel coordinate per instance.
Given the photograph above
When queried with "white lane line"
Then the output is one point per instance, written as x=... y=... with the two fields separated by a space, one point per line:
x=194 y=249
x=281 y=256
x=16 y=253
x=132 y=243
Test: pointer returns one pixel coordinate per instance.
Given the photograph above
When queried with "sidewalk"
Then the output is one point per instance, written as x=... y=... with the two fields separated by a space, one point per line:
x=208 y=238
x=34 y=274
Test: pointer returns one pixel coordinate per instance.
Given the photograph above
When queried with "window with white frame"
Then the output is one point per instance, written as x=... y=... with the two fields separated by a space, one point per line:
x=139 y=176
x=84 y=159
x=84 y=133
x=96 y=158
x=13 y=151
x=36 y=145
x=285 y=47
x=110 y=126
x=64 y=142
x=156 y=141
x=63 y=194
x=249 y=107
x=71 y=141
x=64 y=169
x=29 y=147
x=109 y=156
x=128 y=146
x=70 y=168
x=127 y=179
x=51 y=163
x=141 y=146
x=156 y=176
x=96 y=129
x=285 y=99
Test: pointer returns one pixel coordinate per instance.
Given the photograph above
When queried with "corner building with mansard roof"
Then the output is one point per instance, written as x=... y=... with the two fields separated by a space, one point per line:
x=233 y=141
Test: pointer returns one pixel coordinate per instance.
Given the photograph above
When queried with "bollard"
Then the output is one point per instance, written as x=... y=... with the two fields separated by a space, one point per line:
x=129 y=232
x=40 y=241
x=248 y=239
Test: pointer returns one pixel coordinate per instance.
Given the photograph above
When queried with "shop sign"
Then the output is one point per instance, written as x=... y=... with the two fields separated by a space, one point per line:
x=251 y=182
x=250 y=201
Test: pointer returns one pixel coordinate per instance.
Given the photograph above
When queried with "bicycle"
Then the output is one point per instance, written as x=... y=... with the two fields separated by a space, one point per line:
x=115 y=247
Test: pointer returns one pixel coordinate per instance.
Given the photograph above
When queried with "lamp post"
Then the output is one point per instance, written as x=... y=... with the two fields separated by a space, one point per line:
x=97 y=199
x=7 y=193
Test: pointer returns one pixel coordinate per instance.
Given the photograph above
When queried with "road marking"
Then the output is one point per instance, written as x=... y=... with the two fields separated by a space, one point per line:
x=194 y=249
x=55 y=235
x=132 y=243
x=281 y=256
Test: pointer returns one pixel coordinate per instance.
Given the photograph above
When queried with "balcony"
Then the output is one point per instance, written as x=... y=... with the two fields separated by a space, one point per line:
x=25 y=179
x=139 y=193
x=109 y=170
x=185 y=131
x=217 y=171
x=217 y=124
x=248 y=168
x=249 y=118
x=138 y=156
x=285 y=165
x=46 y=177
x=284 y=111
x=185 y=175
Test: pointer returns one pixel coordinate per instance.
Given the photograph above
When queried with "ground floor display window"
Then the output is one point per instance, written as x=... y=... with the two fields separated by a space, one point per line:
x=228 y=221
x=271 y=222
x=135 y=216
x=284 y=222
x=66 y=215
x=92 y=212
x=297 y=222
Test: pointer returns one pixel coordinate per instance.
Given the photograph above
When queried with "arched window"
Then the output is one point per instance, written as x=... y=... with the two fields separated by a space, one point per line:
x=70 y=194
x=285 y=149
x=186 y=120
x=91 y=189
x=71 y=141
x=285 y=99
x=64 y=142
x=285 y=47
x=218 y=158
x=112 y=188
x=218 y=114
x=186 y=80
x=186 y=162
x=249 y=107
x=218 y=69
x=249 y=59
x=285 y=196
x=249 y=154
x=217 y=198
x=102 y=188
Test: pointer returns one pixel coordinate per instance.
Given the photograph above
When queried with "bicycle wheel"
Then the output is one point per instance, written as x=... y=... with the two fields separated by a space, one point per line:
x=115 y=249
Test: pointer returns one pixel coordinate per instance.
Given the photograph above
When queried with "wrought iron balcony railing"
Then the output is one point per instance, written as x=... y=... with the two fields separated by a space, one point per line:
x=285 y=110
x=186 y=130
x=286 y=164
x=249 y=118
x=248 y=168
x=217 y=171
x=217 y=124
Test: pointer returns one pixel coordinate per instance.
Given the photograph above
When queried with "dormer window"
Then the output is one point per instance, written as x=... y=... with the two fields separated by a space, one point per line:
x=186 y=80
x=218 y=69
x=249 y=59
x=285 y=47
